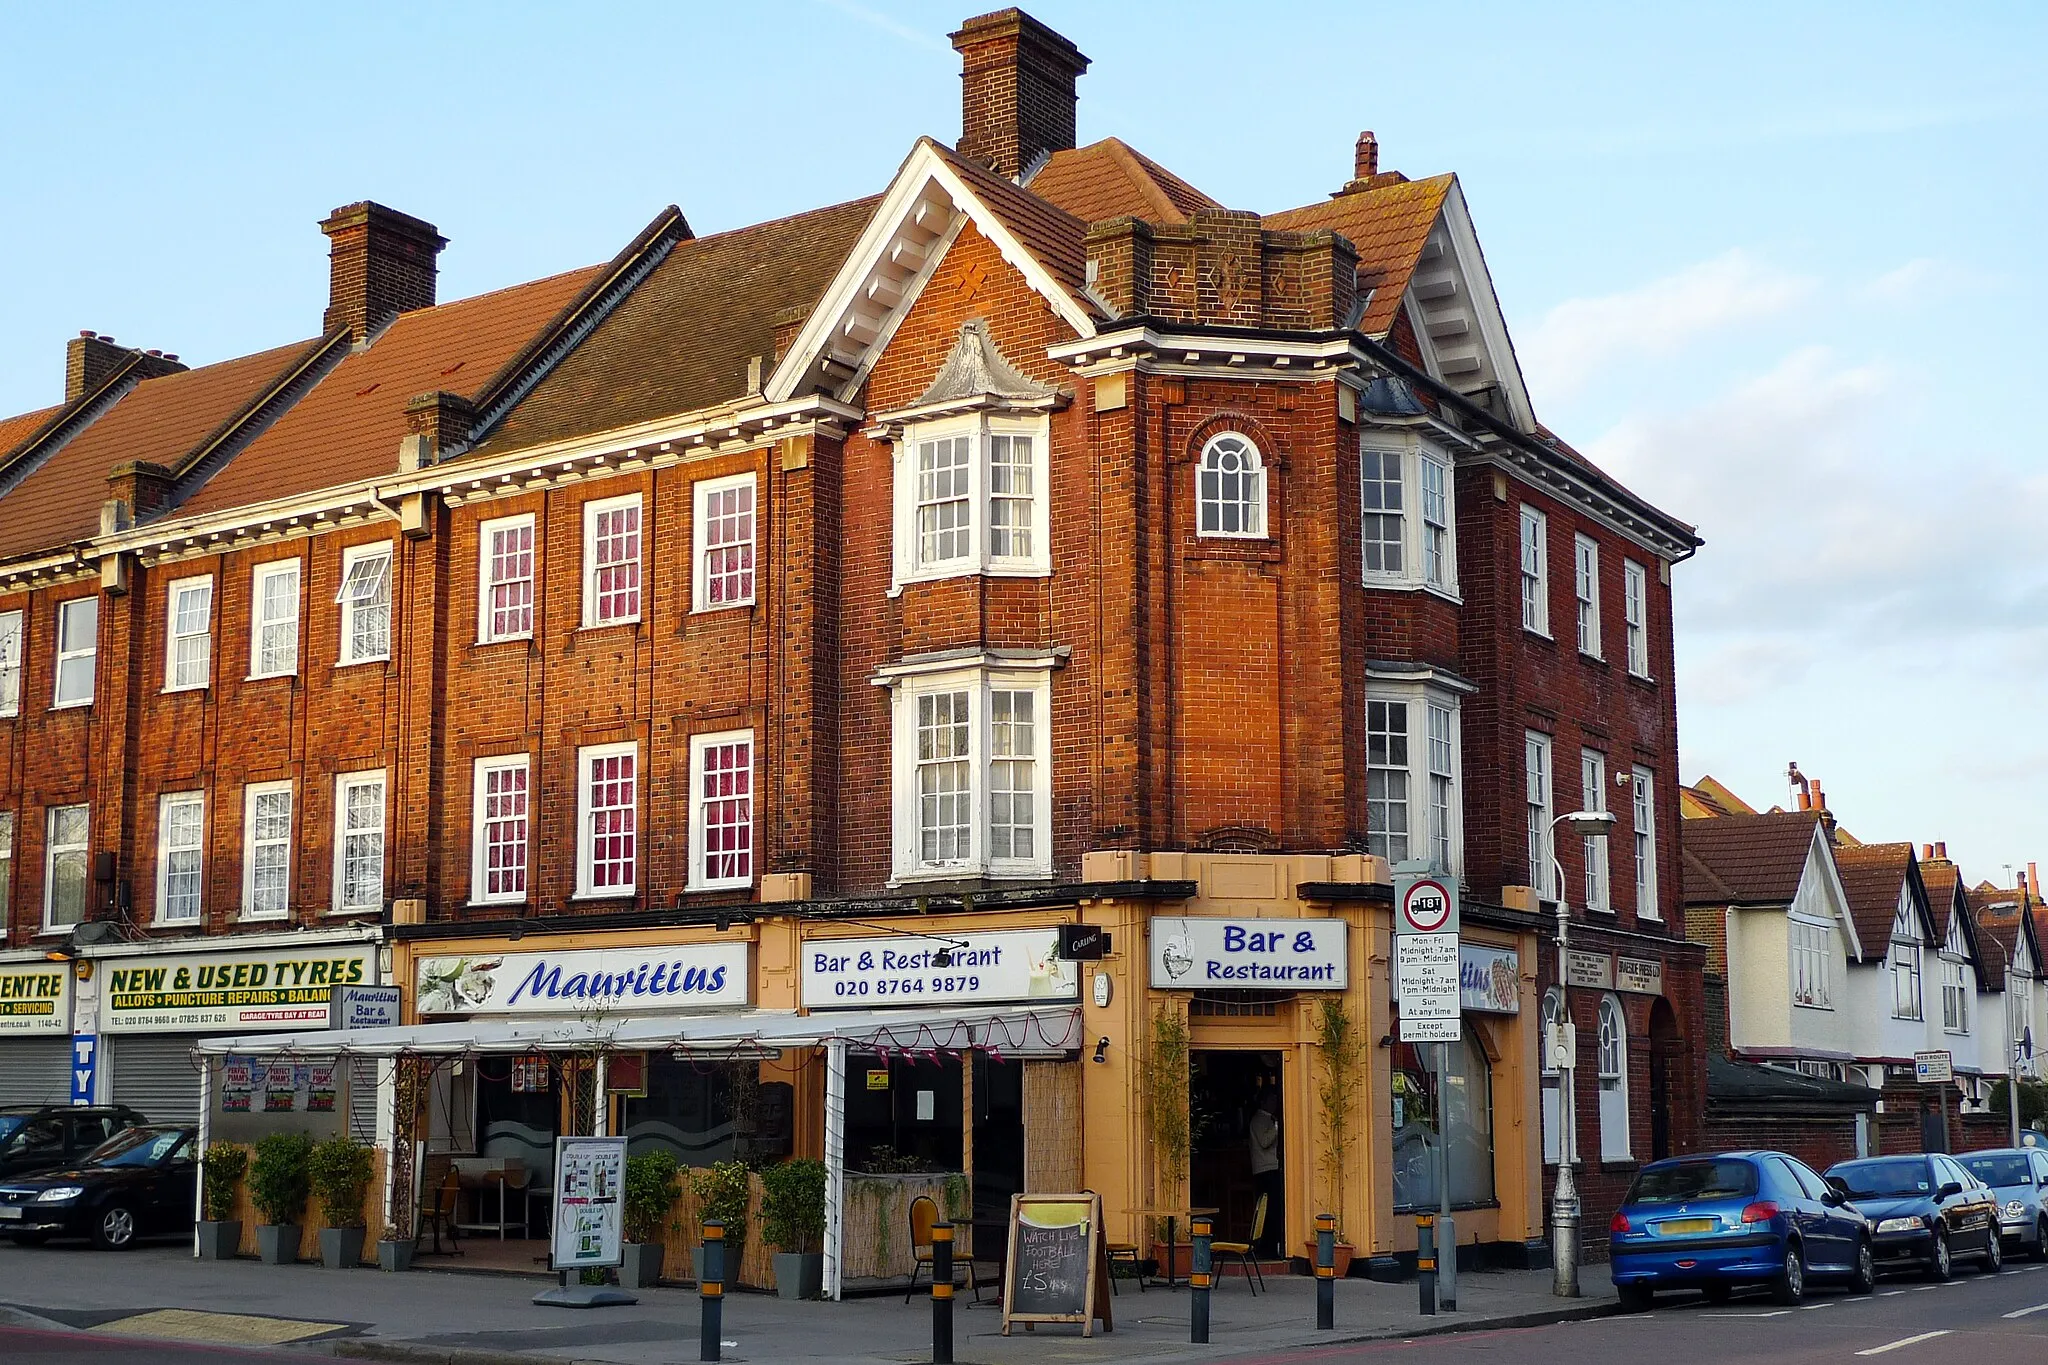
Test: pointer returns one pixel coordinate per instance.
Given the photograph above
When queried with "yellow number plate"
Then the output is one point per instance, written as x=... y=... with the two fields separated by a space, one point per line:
x=1672 y=1227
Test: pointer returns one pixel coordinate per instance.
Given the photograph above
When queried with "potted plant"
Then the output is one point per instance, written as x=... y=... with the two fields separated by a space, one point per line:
x=650 y=1195
x=340 y=1171
x=793 y=1219
x=725 y=1192
x=220 y=1233
x=1164 y=1076
x=1342 y=1050
x=278 y=1184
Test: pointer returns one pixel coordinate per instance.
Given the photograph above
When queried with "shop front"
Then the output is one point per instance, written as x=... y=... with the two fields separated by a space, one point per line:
x=35 y=1029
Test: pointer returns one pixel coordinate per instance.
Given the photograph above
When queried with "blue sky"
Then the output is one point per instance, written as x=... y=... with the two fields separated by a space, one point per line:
x=1775 y=265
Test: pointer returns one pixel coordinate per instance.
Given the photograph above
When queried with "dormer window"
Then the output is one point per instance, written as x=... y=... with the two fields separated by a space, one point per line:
x=1230 y=488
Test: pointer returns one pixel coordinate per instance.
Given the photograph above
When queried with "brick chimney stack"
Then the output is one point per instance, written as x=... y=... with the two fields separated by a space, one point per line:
x=1016 y=91
x=1365 y=158
x=381 y=263
x=90 y=357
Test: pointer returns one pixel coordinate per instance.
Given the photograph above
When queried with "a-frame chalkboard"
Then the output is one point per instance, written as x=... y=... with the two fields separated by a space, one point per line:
x=1058 y=1269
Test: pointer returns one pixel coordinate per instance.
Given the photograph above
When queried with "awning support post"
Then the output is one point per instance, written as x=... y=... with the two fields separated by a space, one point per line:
x=205 y=1133
x=835 y=1167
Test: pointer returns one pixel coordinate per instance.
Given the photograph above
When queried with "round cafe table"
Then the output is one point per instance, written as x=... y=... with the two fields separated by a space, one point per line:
x=1171 y=1216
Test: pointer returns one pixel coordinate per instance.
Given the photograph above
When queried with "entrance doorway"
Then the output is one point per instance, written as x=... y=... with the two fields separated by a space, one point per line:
x=1666 y=1047
x=1235 y=1143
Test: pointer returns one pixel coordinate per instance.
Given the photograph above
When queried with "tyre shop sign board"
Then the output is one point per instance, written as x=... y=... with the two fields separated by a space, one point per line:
x=286 y=988
x=1250 y=954
x=35 y=997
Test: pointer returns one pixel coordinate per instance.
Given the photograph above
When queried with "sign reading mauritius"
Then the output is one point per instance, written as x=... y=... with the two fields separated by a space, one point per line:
x=287 y=988
x=35 y=998
x=1250 y=954
x=678 y=977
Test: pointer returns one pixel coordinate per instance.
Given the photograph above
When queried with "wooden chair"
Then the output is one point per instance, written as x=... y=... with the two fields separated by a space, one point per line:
x=924 y=1214
x=1243 y=1250
x=438 y=1213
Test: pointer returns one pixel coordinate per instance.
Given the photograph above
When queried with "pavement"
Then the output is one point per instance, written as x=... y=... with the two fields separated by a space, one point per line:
x=456 y=1318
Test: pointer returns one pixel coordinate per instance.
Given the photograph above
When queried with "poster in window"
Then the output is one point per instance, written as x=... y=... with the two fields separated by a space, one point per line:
x=320 y=1088
x=280 y=1088
x=237 y=1085
x=529 y=1075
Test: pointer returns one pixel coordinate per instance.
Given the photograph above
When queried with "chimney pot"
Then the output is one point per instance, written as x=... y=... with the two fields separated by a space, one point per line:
x=1941 y=848
x=1926 y=852
x=380 y=263
x=87 y=332
x=1016 y=91
x=90 y=357
x=1365 y=158
x=2033 y=877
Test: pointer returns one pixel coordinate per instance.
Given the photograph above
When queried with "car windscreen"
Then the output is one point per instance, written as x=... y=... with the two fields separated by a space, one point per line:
x=1999 y=1170
x=1904 y=1178
x=1690 y=1181
x=9 y=1125
x=136 y=1147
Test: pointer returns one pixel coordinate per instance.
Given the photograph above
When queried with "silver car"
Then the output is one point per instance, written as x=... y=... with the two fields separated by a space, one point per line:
x=2019 y=1177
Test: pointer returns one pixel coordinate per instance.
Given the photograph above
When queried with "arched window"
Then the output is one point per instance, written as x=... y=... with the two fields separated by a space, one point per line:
x=1614 y=1143
x=1553 y=1015
x=1230 y=488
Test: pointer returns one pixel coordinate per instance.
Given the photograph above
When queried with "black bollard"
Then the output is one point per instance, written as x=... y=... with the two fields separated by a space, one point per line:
x=1199 y=1280
x=1326 y=1271
x=711 y=1288
x=942 y=1294
x=1425 y=1262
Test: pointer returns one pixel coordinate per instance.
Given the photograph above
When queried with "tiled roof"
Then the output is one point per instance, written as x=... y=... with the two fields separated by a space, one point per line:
x=1110 y=179
x=1389 y=226
x=1943 y=880
x=348 y=428
x=1050 y=233
x=681 y=340
x=1872 y=875
x=1998 y=933
x=160 y=421
x=17 y=429
x=1747 y=859
x=1714 y=798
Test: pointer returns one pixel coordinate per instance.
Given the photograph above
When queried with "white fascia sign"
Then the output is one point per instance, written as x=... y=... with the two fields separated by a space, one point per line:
x=1250 y=954
x=689 y=976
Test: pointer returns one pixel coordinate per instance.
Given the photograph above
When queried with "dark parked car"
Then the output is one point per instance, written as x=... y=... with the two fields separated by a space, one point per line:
x=1714 y=1223
x=2018 y=1177
x=1926 y=1211
x=138 y=1184
x=41 y=1137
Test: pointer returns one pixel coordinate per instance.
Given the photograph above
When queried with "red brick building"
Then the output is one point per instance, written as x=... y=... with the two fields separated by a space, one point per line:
x=1035 y=535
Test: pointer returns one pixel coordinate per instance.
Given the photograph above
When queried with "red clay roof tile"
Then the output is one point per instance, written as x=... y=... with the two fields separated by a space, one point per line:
x=1747 y=859
x=1389 y=225
x=1110 y=179
x=1873 y=876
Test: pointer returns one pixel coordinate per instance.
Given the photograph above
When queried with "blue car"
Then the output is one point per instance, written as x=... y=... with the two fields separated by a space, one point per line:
x=2018 y=1177
x=1716 y=1223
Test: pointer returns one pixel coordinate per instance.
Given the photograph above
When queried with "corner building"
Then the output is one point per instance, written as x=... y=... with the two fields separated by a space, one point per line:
x=822 y=614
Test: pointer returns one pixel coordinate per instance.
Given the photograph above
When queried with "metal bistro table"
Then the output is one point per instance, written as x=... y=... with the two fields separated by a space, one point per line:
x=1172 y=1241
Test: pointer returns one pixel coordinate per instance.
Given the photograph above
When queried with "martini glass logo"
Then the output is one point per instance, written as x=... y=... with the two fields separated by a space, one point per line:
x=1177 y=957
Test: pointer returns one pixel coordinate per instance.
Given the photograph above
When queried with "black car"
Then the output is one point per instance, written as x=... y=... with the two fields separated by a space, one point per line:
x=42 y=1137
x=1925 y=1210
x=139 y=1183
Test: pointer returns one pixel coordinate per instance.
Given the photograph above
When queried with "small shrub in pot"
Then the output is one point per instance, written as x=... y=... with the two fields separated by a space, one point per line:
x=279 y=1182
x=793 y=1221
x=220 y=1232
x=340 y=1169
x=650 y=1197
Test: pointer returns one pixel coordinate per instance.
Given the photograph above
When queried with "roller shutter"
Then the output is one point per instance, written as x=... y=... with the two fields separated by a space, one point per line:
x=155 y=1073
x=35 y=1070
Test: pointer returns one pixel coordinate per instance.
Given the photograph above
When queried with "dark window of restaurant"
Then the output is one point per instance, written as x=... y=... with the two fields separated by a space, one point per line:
x=516 y=1110
x=687 y=1110
x=903 y=1114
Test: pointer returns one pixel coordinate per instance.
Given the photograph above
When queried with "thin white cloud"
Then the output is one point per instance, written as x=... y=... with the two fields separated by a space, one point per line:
x=1580 y=338
x=909 y=33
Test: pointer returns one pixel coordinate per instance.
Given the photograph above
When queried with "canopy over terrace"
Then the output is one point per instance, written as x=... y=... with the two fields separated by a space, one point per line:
x=1017 y=1032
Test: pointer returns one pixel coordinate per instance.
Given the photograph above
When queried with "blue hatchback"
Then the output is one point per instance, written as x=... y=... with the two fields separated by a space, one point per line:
x=1715 y=1223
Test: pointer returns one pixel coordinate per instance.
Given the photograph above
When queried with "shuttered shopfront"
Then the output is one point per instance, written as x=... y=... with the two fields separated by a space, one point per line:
x=156 y=1074
x=35 y=1070
x=35 y=1030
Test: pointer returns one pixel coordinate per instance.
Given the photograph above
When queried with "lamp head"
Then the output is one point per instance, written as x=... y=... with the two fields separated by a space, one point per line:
x=1589 y=824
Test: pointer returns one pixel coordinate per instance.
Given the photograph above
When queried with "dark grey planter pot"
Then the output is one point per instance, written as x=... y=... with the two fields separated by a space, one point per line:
x=219 y=1241
x=278 y=1243
x=341 y=1248
x=800 y=1274
x=394 y=1256
x=642 y=1266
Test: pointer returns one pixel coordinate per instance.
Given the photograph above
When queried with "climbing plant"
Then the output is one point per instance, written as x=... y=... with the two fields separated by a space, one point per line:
x=1342 y=1050
x=1163 y=1074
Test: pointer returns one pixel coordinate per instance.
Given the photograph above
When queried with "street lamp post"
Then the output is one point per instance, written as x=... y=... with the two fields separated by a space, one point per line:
x=1564 y=1197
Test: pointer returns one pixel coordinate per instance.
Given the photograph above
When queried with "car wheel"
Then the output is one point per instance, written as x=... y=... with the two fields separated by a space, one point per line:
x=1993 y=1259
x=1718 y=1293
x=1939 y=1266
x=1864 y=1278
x=2041 y=1239
x=1635 y=1298
x=1790 y=1285
x=114 y=1228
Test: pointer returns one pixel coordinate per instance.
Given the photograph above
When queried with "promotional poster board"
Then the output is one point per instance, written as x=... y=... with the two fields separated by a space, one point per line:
x=35 y=997
x=589 y=1223
x=1250 y=954
x=1004 y=966
x=684 y=976
x=1058 y=1269
x=282 y=988
x=1489 y=979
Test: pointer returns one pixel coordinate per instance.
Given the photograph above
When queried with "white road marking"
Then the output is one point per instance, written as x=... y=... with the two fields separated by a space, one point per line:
x=1816 y=1307
x=1903 y=1341
x=2024 y=1312
x=1927 y=1288
x=1890 y=1293
x=1775 y=1313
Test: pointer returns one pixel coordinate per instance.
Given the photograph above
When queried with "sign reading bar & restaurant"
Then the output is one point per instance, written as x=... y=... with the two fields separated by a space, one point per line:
x=1250 y=954
x=688 y=976
x=1007 y=965
x=35 y=997
x=284 y=988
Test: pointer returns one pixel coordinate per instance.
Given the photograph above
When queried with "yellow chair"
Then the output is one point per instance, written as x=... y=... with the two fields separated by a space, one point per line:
x=1243 y=1250
x=924 y=1214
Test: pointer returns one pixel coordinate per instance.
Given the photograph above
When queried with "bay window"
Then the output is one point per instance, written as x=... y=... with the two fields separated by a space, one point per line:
x=1812 y=964
x=972 y=770
x=1407 y=533
x=971 y=498
x=1413 y=812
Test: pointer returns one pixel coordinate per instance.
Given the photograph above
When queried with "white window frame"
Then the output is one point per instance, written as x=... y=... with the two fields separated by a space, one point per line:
x=1612 y=1063
x=252 y=793
x=259 y=580
x=1443 y=848
x=979 y=683
x=173 y=636
x=1426 y=523
x=480 y=824
x=10 y=662
x=1252 y=502
x=165 y=850
x=354 y=600
x=979 y=557
x=1642 y=786
x=1599 y=890
x=90 y=653
x=1550 y=1012
x=1810 y=946
x=586 y=888
x=1539 y=792
x=1635 y=616
x=1904 y=960
x=701 y=548
x=52 y=851
x=700 y=877
x=344 y=785
x=591 y=511
x=1956 y=988
x=1534 y=541
x=1586 y=593
x=487 y=586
